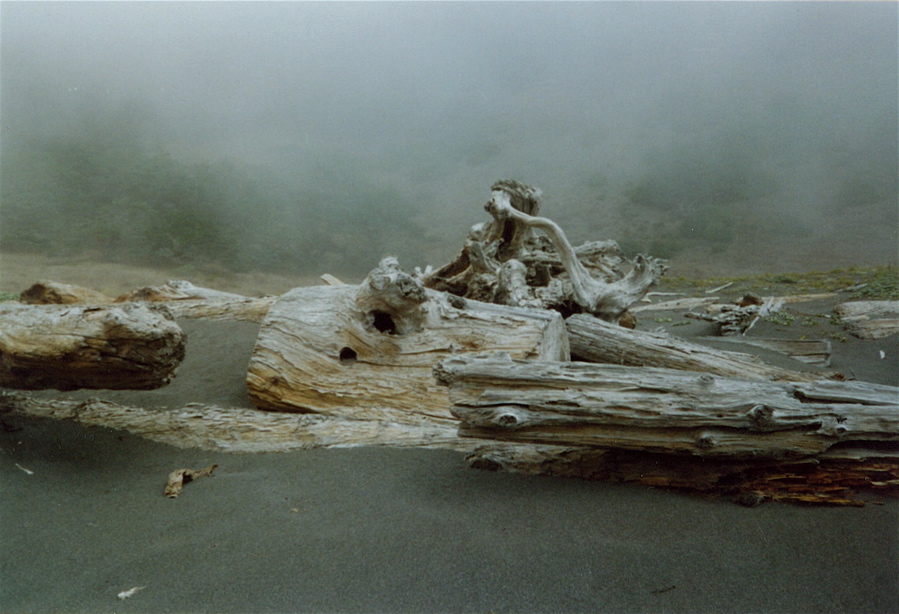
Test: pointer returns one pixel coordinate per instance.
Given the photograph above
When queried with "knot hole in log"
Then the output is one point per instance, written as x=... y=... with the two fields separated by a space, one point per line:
x=347 y=356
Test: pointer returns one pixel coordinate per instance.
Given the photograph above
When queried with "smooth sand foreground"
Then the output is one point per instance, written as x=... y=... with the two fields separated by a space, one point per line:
x=386 y=530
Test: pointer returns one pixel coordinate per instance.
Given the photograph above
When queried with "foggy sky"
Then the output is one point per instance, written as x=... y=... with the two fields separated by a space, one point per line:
x=439 y=99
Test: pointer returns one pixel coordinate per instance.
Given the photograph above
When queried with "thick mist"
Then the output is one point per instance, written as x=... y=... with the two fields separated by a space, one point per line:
x=314 y=137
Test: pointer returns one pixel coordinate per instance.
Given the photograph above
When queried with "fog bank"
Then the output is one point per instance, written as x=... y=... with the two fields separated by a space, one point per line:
x=320 y=136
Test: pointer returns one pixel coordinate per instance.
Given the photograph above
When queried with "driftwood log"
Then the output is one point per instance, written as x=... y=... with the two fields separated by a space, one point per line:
x=505 y=262
x=209 y=427
x=186 y=300
x=366 y=352
x=67 y=347
x=662 y=410
x=183 y=299
x=55 y=293
x=869 y=319
x=593 y=340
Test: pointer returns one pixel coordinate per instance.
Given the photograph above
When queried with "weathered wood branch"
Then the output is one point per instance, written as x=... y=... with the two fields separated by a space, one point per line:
x=208 y=427
x=66 y=347
x=367 y=351
x=662 y=410
x=593 y=340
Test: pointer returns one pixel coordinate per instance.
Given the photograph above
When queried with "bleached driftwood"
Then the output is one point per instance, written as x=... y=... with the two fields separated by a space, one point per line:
x=189 y=301
x=208 y=427
x=176 y=290
x=870 y=319
x=184 y=300
x=593 y=340
x=55 y=293
x=738 y=318
x=662 y=410
x=67 y=347
x=810 y=351
x=366 y=351
x=504 y=262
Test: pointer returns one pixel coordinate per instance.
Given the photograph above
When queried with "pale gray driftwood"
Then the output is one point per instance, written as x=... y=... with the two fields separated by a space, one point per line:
x=186 y=300
x=367 y=351
x=66 y=347
x=662 y=410
x=739 y=318
x=593 y=340
x=870 y=319
x=208 y=427
x=504 y=261
x=810 y=351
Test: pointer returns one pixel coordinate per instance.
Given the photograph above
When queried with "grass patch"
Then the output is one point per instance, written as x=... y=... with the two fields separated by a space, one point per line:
x=8 y=296
x=868 y=283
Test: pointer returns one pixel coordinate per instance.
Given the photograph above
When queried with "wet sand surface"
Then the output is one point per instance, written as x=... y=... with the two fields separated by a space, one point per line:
x=386 y=530
x=84 y=518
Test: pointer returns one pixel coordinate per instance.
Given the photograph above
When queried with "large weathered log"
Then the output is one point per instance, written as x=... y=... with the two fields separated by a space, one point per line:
x=593 y=340
x=662 y=410
x=505 y=262
x=66 y=347
x=366 y=351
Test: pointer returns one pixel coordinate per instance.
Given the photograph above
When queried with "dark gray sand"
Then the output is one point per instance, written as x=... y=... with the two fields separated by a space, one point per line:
x=386 y=530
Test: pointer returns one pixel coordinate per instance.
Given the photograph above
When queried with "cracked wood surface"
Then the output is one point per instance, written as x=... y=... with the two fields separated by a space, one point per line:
x=124 y=346
x=662 y=410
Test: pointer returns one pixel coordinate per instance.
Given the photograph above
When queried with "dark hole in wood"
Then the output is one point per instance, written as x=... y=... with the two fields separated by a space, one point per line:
x=383 y=322
x=347 y=356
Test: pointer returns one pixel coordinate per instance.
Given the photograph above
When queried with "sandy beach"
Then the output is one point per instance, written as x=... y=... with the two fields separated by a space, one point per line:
x=397 y=530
